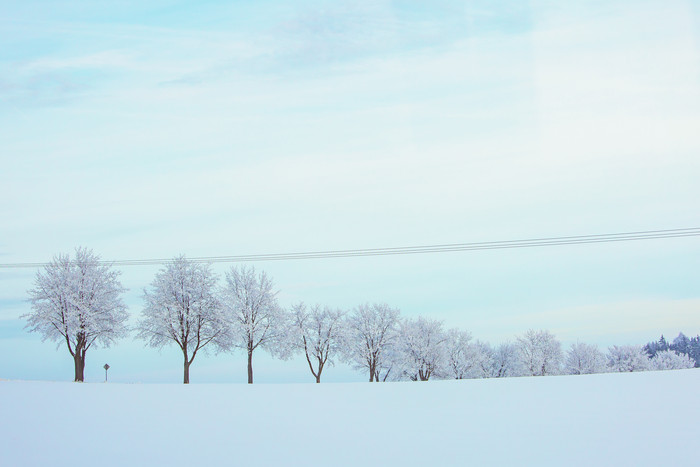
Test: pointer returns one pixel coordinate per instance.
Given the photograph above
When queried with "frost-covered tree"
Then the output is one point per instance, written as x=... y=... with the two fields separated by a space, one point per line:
x=670 y=360
x=695 y=350
x=657 y=346
x=78 y=301
x=389 y=367
x=371 y=332
x=540 y=353
x=256 y=320
x=318 y=332
x=420 y=348
x=584 y=359
x=627 y=358
x=464 y=358
x=680 y=344
x=505 y=361
x=458 y=362
x=182 y=308
x=483 y=356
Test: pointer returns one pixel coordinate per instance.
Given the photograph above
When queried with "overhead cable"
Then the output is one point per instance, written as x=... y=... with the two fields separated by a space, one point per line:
x=409 y=250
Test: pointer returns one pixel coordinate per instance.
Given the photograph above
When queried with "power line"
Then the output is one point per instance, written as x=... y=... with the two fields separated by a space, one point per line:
x=410 y=250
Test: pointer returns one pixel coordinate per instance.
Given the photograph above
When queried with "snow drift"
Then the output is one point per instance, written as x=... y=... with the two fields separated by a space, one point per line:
x=603 y=419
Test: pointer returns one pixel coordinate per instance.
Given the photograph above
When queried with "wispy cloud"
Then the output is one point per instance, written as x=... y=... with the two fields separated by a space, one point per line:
x=356 y=125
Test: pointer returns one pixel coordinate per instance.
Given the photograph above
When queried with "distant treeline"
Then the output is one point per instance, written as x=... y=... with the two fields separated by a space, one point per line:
x=681 y=345
x=78 y=301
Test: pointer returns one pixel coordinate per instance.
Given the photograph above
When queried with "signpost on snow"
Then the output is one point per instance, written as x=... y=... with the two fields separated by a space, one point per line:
x=106 y=367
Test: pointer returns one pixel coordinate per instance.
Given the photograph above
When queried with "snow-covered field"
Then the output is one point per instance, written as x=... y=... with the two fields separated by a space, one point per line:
x=607 y=419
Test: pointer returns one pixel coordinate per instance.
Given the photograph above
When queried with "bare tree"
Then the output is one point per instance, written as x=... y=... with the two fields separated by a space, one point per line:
x=627 y=358
x=464 y=358
x=421 y=348
x=371 y=333
x=584 y=359
x=388 y=367
x=317 y=332
x=78 y=301
x=670 y=360
x=540 y=353
x=254 y=316
x=505 y=361
x=457 y=353
x=182 y=308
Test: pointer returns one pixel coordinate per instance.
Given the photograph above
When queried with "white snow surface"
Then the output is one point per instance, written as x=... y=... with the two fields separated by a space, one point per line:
x=604 y=419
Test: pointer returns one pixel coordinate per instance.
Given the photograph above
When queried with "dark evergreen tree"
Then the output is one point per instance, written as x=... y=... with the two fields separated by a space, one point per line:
x=695 y=350
x=681 y=344
x=651 y=348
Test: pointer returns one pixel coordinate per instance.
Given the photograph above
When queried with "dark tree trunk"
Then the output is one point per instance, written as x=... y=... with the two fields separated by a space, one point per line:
x=186 y=364
x=320 y=370
x=250 y=366
x=79 y=361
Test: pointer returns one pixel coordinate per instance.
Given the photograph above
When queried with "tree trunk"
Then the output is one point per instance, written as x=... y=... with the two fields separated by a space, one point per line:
x=320 y=369
x=79 y=361
x=186 y=377
x=250 y=367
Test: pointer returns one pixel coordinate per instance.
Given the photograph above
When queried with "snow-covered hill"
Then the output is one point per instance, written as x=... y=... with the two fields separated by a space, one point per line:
x=608 y=419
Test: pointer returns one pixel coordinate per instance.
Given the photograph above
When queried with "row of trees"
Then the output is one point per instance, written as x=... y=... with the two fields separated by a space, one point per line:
x=680 y=345
x=79 y=301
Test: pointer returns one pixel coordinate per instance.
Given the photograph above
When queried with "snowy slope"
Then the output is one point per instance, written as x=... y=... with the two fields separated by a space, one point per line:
x=623 y=419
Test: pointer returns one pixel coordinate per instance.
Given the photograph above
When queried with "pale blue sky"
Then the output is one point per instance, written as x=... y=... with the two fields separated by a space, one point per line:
x=237 y=127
